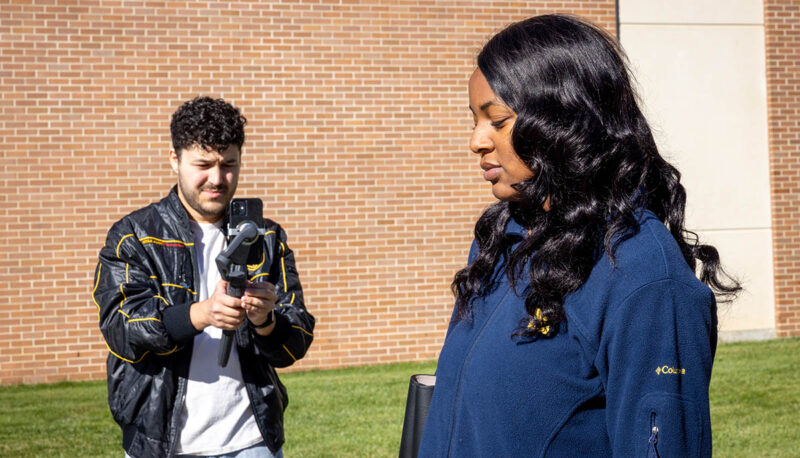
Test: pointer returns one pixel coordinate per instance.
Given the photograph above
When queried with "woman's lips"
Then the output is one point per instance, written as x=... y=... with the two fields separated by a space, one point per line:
x=492 y=174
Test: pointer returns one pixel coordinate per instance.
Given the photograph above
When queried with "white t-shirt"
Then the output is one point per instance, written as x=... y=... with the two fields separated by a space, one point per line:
x=216 y=417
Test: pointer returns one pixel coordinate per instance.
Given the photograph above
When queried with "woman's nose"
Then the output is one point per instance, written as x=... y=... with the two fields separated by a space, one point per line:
x=480 y=143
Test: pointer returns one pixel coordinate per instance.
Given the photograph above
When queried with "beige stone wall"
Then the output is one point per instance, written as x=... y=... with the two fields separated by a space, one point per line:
x=702 y=75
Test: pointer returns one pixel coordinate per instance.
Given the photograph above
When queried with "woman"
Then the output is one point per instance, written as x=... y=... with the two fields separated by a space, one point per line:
x=579 y=328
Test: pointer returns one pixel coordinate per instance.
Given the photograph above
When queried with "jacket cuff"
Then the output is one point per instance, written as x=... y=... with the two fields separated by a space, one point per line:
x=279 y=335
x=178 y=323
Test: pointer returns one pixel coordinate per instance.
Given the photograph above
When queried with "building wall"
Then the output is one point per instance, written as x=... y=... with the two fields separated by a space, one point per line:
x=356 y=141
x=701 y=69
x=782 y=25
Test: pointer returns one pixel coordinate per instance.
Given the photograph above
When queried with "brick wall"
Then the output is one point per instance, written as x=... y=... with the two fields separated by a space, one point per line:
x=782 y=30
x=357 y=143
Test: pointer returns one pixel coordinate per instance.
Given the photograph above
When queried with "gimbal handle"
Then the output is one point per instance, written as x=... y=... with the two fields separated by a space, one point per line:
x=231 y=264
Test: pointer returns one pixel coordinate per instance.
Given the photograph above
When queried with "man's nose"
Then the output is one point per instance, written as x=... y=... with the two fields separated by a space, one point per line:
x=215 y=175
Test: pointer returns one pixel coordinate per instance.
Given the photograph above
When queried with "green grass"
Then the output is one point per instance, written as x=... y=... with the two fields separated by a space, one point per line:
x=63 y=419
x=348 y=412
x=755 y=409
x=755 y=399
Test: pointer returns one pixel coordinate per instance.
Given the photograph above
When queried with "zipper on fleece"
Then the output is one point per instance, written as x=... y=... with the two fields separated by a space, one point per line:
x=652 y=449
x=460 y=378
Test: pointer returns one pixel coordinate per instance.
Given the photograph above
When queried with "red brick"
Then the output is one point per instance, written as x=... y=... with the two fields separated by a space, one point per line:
x=357 y=143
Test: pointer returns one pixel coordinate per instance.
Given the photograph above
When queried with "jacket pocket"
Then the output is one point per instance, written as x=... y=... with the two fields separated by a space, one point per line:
x=671 y=425
x=128 y=391
x=652 y=442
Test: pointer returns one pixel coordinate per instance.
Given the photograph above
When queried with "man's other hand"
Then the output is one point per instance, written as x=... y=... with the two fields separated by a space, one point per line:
x=259 y=301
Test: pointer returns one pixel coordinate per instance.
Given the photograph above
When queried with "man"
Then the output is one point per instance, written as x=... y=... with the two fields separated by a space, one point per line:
x=162 y=308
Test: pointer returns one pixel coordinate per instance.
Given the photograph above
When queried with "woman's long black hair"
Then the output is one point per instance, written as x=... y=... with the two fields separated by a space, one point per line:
x=580 y=130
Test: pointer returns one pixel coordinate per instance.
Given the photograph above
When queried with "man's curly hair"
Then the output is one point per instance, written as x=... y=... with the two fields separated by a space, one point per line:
x=212 y=124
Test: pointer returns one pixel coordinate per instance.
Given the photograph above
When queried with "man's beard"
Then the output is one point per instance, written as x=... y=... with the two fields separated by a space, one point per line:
x=192 y=197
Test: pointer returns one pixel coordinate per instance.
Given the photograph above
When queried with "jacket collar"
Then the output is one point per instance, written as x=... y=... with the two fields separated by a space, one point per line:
x=175 y=204
x=179 y=214
x=513 y=227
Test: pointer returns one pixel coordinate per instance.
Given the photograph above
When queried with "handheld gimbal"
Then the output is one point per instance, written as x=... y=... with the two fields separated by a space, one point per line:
x=245 y=227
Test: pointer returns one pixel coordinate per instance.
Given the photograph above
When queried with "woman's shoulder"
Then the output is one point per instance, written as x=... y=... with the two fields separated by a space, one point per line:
x=648 y=260
x=651 y=254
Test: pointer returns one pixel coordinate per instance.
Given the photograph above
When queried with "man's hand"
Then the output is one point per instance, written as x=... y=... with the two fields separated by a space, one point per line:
x=259 y=301
x=219 y=310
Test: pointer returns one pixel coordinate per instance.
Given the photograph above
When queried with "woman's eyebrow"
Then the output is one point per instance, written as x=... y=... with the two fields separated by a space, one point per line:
x=484 y=106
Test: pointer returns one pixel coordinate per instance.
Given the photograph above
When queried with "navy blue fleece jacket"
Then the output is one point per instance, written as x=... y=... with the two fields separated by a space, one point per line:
x=626 y=375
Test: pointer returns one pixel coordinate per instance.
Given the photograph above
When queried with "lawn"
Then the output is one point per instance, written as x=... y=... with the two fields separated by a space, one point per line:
x=755 y=409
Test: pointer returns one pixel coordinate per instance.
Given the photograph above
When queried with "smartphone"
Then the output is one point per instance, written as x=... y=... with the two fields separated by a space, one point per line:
x=245 y=210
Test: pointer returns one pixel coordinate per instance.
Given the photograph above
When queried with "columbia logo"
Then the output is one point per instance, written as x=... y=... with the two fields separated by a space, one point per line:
x=670 y=370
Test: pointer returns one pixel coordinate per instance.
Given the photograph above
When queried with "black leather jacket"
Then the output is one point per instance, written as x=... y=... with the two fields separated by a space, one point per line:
x=144 y=284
